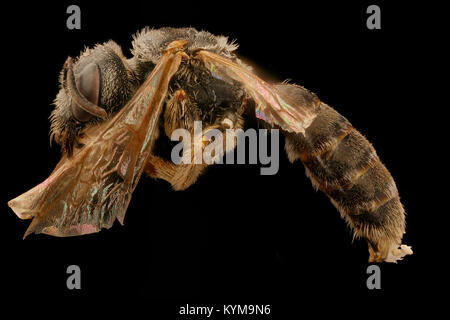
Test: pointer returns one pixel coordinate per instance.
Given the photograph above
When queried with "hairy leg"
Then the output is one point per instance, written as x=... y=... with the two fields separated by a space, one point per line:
x=180 y=176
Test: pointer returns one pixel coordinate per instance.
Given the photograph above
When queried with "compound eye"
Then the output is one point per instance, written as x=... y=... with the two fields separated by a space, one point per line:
x=88 y=85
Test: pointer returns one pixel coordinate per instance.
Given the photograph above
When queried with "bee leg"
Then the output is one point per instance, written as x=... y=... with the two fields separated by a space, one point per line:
x=180 y=176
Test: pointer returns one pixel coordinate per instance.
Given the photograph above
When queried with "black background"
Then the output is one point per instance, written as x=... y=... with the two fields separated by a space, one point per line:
x=235 y=237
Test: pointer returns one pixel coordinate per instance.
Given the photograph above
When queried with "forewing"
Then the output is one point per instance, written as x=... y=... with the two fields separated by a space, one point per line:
x=272 y=105
x=91 y=189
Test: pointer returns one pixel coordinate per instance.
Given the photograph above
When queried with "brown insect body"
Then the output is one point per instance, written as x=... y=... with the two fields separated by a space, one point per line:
x=343 y=164
x=186 y=75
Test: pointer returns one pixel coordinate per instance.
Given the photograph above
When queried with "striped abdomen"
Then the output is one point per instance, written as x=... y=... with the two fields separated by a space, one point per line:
x=343 y=164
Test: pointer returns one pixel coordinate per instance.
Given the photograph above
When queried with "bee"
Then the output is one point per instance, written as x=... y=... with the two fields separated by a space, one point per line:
x=110 y=112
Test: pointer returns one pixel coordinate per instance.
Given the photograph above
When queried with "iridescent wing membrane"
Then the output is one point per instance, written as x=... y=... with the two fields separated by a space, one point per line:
x=272 y=105
x=91 y=189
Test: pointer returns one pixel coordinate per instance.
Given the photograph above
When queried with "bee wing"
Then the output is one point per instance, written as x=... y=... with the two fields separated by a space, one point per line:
x=91 y=189
x=272 y=105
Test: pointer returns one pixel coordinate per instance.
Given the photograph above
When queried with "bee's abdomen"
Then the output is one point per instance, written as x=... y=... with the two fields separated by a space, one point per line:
x=344 y=165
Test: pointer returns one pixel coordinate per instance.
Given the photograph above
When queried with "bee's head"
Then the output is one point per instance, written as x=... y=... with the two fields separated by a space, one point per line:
x=93 y=86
